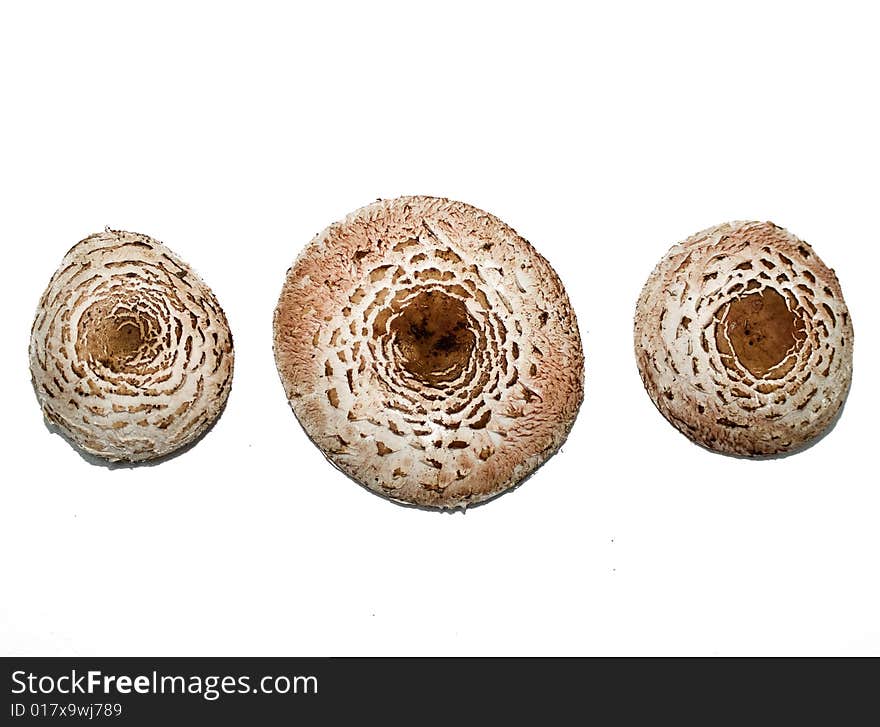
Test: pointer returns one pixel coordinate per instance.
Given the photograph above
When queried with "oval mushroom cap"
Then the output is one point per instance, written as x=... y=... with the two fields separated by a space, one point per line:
x=743 y=339
x=429 y=351
x=130 y=354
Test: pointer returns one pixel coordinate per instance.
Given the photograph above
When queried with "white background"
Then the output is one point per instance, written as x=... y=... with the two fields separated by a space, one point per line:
x=234 y=133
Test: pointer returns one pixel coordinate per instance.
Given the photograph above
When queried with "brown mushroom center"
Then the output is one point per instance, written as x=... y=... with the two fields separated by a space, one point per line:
x=116 y=337
x=760 y=330
x=433 y=336
x=125 y=340
x=114 y=342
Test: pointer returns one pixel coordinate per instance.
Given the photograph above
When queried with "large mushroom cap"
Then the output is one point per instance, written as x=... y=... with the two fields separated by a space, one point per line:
x=743 y=339
x=130 y=354
x=429 y=351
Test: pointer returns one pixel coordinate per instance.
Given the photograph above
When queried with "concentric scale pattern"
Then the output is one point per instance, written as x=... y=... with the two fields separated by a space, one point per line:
x=429 y=351
x=743 y=339
x=131 y=355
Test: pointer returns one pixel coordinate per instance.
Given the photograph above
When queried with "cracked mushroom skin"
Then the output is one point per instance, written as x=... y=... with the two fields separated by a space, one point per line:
x=429 y=351
x=130 y=354
x=743 y=340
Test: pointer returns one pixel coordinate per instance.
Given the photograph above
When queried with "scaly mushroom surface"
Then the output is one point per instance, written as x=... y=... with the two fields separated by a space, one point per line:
x=743 y=339
x=131 y=355
x=429 y=351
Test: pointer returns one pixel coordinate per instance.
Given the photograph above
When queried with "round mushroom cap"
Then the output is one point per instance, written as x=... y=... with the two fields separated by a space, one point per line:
x=429 y=351
x=130 y=354
x=743 y=340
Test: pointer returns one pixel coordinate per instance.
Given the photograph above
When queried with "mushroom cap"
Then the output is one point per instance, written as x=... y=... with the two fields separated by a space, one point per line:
x=130 y=353
x=743 y=340
x=429 y=351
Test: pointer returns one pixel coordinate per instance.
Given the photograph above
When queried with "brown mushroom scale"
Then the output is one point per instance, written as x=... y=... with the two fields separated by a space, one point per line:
x=433 y=337
x=759 y=330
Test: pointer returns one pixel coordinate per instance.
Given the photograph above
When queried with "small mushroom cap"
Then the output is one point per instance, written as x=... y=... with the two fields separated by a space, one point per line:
x=130 y=353
x=429 y=351
x=743 y=340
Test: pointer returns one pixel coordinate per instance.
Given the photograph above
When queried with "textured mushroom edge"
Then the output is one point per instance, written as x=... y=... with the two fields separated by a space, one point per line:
x=743 y=340
x=429 y=351
x=131 y=356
